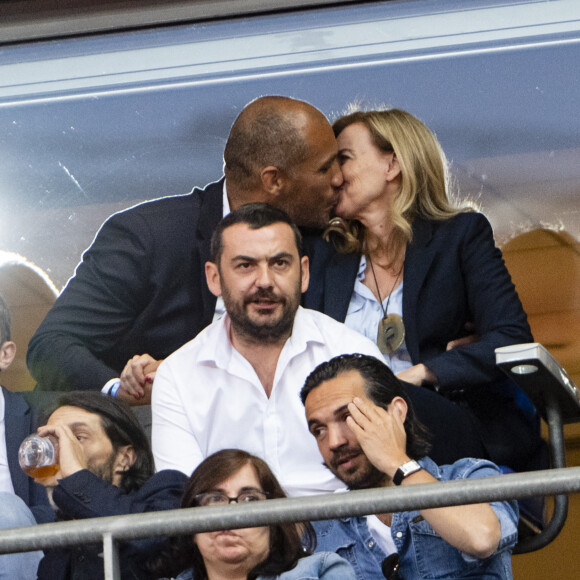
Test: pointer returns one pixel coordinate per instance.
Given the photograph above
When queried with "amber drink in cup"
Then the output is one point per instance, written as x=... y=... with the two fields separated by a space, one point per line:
x=37 y=456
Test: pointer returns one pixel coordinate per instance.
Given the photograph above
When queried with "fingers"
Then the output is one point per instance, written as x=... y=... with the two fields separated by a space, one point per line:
x=144 y=398
x=137 y=372
x=70 y=453
x=379 y=432
x=365 y=413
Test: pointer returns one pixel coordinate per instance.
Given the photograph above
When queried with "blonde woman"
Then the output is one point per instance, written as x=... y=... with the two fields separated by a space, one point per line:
x=416 y=273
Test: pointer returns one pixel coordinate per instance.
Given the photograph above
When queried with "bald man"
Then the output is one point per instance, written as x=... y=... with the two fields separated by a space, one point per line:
x=140 y=293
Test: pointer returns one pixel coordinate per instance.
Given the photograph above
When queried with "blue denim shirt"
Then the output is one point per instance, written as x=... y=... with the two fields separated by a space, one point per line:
x=320 y=566
x=423 y=553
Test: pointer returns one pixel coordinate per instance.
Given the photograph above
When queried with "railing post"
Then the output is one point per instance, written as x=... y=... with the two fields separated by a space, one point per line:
x=111 y=556
x=558 y=456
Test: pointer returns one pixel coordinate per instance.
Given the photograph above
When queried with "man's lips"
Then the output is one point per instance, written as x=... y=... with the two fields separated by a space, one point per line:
x=264 y=304
x=264 y=301
x=345 y=458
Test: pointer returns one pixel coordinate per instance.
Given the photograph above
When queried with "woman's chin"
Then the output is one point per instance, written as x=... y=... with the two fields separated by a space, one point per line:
x=341 y=212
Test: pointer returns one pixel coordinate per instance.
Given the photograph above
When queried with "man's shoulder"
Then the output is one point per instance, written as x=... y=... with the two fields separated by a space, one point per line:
x=466 y=468
x=14 y=401
x=166 y=480
x=190 y=350
x=336 y=335
x=174 y=207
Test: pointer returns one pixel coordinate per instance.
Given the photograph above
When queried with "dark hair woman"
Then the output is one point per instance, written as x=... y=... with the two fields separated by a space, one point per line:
x=274 y=551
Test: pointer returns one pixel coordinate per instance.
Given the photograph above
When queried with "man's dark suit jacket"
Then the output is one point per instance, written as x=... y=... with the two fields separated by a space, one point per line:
x=84 y=495
x=453 y=274
x=140 y=288
x=18 y=425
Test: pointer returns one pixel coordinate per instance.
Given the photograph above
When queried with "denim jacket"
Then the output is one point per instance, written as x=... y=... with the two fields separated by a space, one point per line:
x=422 y=552
x=320 y=566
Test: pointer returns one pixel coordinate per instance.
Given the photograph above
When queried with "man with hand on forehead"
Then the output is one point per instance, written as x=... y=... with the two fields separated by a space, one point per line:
x=369 y=436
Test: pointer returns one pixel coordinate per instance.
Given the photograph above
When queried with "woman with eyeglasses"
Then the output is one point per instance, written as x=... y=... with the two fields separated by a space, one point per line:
x=262 y=553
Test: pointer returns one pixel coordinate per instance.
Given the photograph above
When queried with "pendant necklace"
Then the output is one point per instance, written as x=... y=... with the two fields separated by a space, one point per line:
x=391 y=334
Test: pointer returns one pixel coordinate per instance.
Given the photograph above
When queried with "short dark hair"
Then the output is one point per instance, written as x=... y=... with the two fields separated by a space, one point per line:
x=255 y=215
x=286 y=547
x=5 y=324
x=381 y=387
x=121 y=427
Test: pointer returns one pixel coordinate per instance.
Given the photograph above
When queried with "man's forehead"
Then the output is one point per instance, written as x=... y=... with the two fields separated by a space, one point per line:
x=333 y=395
x=241 y=239
x=75 y=416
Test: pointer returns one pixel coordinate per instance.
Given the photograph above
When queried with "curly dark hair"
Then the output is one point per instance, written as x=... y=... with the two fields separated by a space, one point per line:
x=286 y=545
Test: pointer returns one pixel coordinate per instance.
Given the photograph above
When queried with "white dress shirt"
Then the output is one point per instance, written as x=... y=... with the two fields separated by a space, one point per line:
x=207 y=397
x=365 y=313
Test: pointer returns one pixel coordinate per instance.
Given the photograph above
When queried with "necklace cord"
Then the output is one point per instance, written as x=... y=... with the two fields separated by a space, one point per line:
x=385 y=310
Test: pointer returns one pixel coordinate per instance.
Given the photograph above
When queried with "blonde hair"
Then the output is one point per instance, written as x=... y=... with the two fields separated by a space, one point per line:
x=425 y=180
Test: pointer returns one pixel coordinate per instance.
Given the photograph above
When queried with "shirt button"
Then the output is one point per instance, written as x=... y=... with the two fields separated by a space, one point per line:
x=399 y=534
x=371 y=544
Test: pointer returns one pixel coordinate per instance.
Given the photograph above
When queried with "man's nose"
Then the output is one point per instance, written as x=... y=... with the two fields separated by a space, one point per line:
x=264 y=277
x=336 y=437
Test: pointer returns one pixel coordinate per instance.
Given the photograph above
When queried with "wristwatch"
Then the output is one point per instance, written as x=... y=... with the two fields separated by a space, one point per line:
x=405 y=470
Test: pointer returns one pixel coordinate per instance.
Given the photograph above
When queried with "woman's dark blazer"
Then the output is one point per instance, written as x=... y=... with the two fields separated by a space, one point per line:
x=453 y=274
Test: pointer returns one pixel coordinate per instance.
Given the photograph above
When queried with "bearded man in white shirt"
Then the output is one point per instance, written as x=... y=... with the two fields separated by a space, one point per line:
x=237 y=384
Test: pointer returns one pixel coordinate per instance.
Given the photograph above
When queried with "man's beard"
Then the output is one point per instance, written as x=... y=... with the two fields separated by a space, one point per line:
x=264 y=331
x=105 y=471
x=362 y=475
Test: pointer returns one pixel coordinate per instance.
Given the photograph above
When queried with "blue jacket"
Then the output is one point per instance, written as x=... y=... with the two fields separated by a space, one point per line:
x=323 y=566
x=423 y=553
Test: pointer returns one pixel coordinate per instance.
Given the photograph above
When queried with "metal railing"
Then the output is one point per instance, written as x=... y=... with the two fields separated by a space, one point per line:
x=111 y=530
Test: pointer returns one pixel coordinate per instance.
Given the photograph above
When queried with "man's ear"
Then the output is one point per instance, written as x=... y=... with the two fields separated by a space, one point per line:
x=273 y=181
x=212 y=276
x=399 y=407
x=7 y=354
x=125 y=459
x=305 y=263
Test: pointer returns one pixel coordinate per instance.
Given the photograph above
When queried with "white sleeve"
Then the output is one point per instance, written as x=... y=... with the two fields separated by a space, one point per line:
x=173 y=441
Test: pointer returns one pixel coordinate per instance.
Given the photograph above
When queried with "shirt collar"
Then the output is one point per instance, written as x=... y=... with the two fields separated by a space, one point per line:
x=218 y=348
x=226 y=201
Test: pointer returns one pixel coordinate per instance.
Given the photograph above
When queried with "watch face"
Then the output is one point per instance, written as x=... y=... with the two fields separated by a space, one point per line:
x=405 y=470
x=410 y=467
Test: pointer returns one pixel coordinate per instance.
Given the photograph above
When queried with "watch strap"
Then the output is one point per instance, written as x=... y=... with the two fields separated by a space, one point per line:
x=405 y=470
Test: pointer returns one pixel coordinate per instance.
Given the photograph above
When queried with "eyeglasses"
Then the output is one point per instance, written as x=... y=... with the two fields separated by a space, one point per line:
x=219 y=498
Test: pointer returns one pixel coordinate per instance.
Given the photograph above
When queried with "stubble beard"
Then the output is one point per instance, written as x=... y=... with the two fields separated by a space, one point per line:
x=362 y=476
x=266 y=332
x=105 y=471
